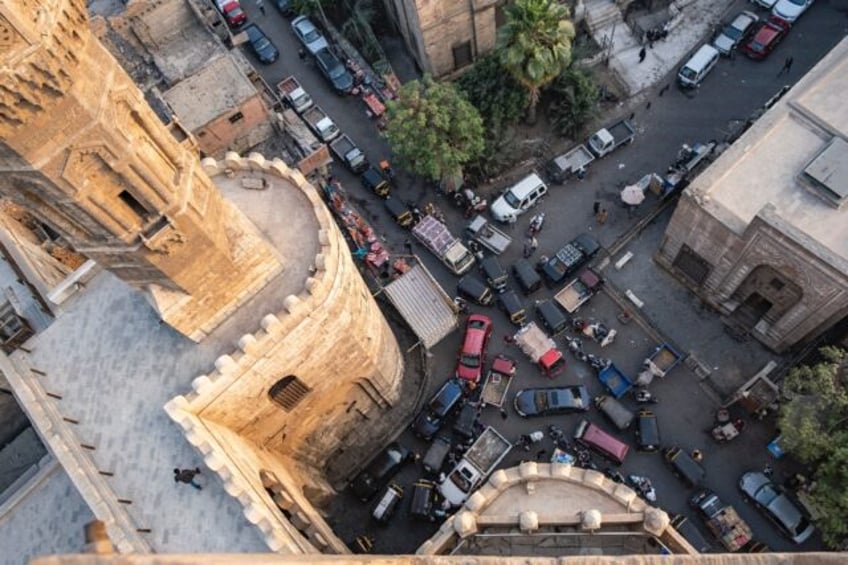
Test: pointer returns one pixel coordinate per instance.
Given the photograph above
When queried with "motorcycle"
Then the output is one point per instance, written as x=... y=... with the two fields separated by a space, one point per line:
x=643 y=487
x=644 y=396
x=614 y=475
x=657 y=33
x=597 y=331
x=461 y=304
x=470 y=202
x=536 y=223
x=597 y=363
x=527 y=440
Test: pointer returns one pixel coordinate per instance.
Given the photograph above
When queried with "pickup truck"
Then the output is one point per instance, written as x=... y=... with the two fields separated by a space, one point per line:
x=608 y=139
x=348 y=153
x=559 y=169
x=541 y=349
x=478 y=462
x=438 y=239
x=483 y=232
x=321 y=124
x=570 y=258
x=579 y=291
x=722 y=520
x=294 y=95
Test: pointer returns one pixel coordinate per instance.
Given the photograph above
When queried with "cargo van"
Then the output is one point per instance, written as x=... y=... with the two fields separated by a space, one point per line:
x=595 y=438
x=692 y=534
x=526 y=276
x=685 y=467
x=519 y=198
x=698 y=66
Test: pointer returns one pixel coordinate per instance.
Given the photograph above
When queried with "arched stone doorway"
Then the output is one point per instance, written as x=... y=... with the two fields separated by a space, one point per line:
x=764 y=296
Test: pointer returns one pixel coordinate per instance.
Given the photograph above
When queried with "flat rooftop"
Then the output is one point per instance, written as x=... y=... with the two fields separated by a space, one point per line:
x=115 y=366
x=767 y=164
x=216 y=88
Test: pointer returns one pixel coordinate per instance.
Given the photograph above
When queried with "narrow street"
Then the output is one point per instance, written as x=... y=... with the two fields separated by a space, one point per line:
x=735 y=88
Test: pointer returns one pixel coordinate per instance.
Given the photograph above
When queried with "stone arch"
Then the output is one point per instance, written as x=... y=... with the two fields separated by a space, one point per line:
x=766 y=294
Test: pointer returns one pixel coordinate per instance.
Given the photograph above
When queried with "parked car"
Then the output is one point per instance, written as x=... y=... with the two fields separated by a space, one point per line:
x=430 y=419
x=262 y=47
x=790 y=10
x=478 y=329
x=232 y=12
x=334 y=71
x=387 y=504
x=768 y=4
x=286 y=7
x=735 y=32
x=776 y=506
x=766 y=38
x=380 y=471
x=553 y=400
x=309 y=35
x=518 y=199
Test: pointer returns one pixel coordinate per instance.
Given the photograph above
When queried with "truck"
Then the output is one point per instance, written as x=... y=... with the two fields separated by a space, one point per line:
x=575 y=161
x=294 y=95
x=615 y=381
x=487 y=451
x=608 y=139
x=579 y=291
x=483 y=232
x=321 y=124
x=722 y=520
x=441 y=242
x=498 y=381
x=541 y=349
x=571 y=257
x=348 y=153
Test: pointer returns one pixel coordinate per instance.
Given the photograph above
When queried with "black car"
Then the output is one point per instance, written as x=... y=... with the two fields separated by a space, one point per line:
x=334 y=71
x=286 y=7
x=379 y=471
x=261 y=45
x=553 y=400
x=430 y=419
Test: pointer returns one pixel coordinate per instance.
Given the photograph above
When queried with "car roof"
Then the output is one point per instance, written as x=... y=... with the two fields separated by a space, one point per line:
x=303 y=23
x=326 y=56
x=744 y=17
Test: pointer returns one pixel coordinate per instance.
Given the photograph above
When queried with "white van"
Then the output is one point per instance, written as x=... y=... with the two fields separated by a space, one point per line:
x=696 y=68
x=519 y=198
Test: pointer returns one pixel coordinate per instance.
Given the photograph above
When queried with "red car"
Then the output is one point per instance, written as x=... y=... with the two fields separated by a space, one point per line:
x=478 y=329
x=233 y=12
x=766 y=38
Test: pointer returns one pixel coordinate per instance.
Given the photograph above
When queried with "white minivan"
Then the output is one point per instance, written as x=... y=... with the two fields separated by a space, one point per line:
x=698 y=66
x=519 y=198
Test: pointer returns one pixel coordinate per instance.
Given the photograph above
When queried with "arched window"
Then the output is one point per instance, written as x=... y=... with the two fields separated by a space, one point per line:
x=288 y=392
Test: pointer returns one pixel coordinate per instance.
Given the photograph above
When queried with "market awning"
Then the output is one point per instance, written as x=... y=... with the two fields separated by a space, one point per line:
x=424 y=305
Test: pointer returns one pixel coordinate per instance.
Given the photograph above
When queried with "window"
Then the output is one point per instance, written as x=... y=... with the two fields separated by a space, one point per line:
x=777 y=284
x=288 y=392
x=692 y=265
x=462 y=55
x=137 y=207
x=236 y=117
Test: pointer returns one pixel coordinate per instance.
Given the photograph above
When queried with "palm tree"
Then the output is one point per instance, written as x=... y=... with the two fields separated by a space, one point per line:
x=535 y=45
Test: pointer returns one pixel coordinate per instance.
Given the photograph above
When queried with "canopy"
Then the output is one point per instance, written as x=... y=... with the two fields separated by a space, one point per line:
x=633 y=195
x=425 y=306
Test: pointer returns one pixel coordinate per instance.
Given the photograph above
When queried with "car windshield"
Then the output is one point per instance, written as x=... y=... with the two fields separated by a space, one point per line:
x=336 y=71
x=798 y=2
x=687 y=73
x=732 y=32
x=470 y=360
x=311 y=35
x=476 y=324
x=756 y=46
x=541 y=400
x=766 y=494
x=565 y=399
x=511 y=199
x=262 y=44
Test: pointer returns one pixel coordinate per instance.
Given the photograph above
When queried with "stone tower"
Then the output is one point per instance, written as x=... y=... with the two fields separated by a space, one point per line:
x=83 y=152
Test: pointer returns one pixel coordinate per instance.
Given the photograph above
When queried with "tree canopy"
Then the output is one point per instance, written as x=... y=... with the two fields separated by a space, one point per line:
x=433 y=130
x=814 y=428
x=535 y=45
x=575 y=101
x=497 y=96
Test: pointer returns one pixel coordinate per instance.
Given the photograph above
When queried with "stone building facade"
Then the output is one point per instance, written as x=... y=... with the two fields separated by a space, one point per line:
x=444 y=36
x=93 y=161
x=762 y=234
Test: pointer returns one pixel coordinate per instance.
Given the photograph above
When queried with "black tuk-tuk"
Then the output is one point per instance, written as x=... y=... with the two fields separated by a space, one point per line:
x=509 y=302
x=526 y=276
x=399 y=211
x=422 y=506
x=373 y=180
x=685 y=467
x=473 y=289
x=496 y=275
x=647 y=432
x=552 y=316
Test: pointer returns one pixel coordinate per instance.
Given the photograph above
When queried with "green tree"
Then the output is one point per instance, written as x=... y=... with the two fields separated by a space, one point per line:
x=496 y=95
x=433 y=130
x=575 y=97
x=814 y=428
x=535 y=45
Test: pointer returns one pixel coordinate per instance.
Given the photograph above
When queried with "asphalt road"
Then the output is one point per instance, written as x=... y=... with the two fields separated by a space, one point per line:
x=734 y=89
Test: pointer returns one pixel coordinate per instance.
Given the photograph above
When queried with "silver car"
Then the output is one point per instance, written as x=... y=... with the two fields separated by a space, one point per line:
x=776 y=506
x=735 y=32
x=308 y=34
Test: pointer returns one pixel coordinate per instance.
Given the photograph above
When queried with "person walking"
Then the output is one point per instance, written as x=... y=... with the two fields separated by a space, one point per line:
x=642 y=54
x=407 y=243
x=596 y=207
x=601 y=216
x=261 y=5
x=530 y=246
x=504 y=414
x=187 y=476
x=768 y=470
x=787 y=66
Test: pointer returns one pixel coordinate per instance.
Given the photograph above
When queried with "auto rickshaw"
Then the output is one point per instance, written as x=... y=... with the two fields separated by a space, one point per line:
x=509 y=302
x=475 y=290
x=373 y=180
x=495 y=274
x=399 y=211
